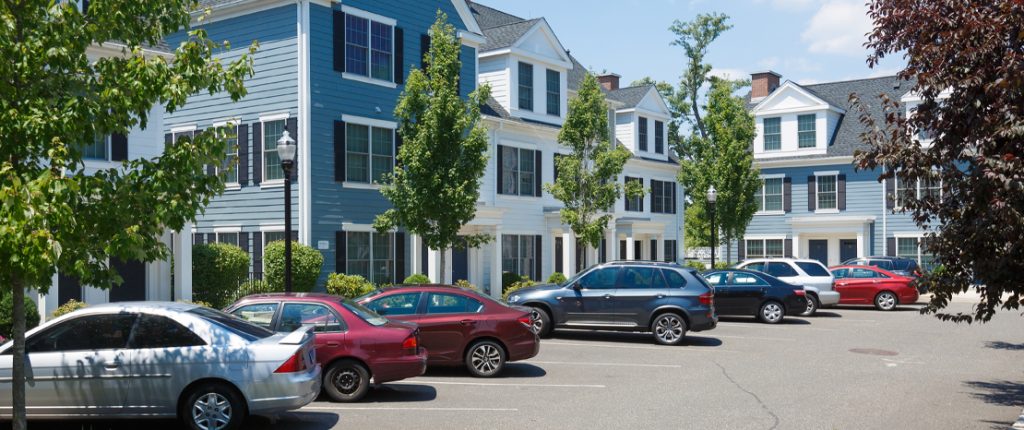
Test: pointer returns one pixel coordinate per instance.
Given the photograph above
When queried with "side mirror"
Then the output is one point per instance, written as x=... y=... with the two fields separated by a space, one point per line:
x=576 y=286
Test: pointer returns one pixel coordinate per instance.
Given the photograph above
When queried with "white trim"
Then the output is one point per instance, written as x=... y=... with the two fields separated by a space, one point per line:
x=778 y=153
x=271 y=228
x=349 y=10
x=350 y=227
x=368 y=80
x=471 y=39
x=228 y=229
x=763 y=195
x=909 y=235
x=825 y=211
x=827 y=173
x=267 y=117
x=764 y=237
x=236 y=121
x=372 y=122
x=467 y=17
x=835 y=219
x=773 y=176
x=770 y=213
x=183 y=129
x=821 y=103
x=276 y=183
x=360 y=185
x=304 y=125
x=231 y=186
x=802 y=162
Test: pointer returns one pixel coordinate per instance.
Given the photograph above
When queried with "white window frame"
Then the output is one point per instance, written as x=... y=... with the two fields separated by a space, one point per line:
x=371 y=123
x=264 y=119
x=817 y=191
x=764 y=246
x=764 y=188
x=764 y=131
x=815 y=130
x=518 y=171
x=394 y=256
x=918 y=237
x=381 y=19
x=236 y=230
x=232 y=122
x=106 y=152
x=898 y=203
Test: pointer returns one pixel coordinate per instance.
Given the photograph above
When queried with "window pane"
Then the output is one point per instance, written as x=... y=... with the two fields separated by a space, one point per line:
x=296 y=315
x=642 y=134
x=826 y=192
x=526 y=172
x=772 y=134
x=781 y=269
x=396 y=304
x=439 y=303
x=670 y=250
x=740 y=278
x=638 y=277
x=675 y=280
x=229 y=238
x=357 y=254
x=525 y=86
x=356 y=45
x=84 y=333
x=229 y=171
x=812 y=269
x=773 y=248
x=526 y=257
x=554 y=92
x=510 y=254
x=600 y=279
x=272 y=236
x=261 y=314
x=383 y=258
x=96 y=151
x=510 y=170
x=357 y=158
x=755 y=248
x=380 y=54
x=906 y=247
x=272 y=131
x=154 y=331
x=805 y=131
x=773 y=194
x=659 y=137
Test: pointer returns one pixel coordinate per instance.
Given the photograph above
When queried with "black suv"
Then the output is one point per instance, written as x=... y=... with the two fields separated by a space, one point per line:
x=664 y=298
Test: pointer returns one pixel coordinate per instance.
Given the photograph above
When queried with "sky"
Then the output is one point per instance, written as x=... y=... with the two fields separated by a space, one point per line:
x=806 y=41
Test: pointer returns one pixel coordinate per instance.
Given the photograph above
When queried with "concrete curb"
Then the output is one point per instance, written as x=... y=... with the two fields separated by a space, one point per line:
x=1019 y=425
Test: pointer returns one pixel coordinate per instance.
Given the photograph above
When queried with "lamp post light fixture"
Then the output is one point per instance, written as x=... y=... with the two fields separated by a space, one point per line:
x=286 y=150
x=712 y=198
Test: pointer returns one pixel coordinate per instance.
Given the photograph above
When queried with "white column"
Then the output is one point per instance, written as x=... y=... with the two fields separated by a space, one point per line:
x=796 y=246
x=860 y=245
x=568 y=254
x=591 y=255
x=415 y=244
x=495 y=288
x=611 y=245
x=446 y=272
x=183 y=263
x=434 y=266
x=661 y=248
x=47 y=303
x=630 y=255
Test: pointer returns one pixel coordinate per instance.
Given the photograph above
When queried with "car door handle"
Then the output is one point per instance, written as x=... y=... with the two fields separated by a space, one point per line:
x=467 y=322
x=609 y=296
x=113 y=365
x=661 y=296
x=333 y=344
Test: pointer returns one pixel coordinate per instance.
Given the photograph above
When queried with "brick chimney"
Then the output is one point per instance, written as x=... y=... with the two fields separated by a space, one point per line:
x=610 y=81
x=762 y=84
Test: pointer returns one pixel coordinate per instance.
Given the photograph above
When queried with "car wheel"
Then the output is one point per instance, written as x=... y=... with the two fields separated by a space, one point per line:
x=540 y=322
x=346 y=381
x=213 y=406
x=669 y=329
x=812 y=306
x=885 y=301
x=771 y=313
x=485 y=359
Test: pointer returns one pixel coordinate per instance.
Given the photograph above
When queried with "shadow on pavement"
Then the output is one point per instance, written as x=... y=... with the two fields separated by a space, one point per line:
x=900 y=308
x=1003 y=393
x=753 y=320
x=289 y=420
x=400 y=393
x=643 y=338
x=1004 y=345
x=512 y=370
x=826 y=314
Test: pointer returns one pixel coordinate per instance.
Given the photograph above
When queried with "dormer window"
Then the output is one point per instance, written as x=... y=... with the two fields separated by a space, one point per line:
x=772 y=134
x=659 y=137
x=806 y=135
x=643 y=134
x=554 y=92
x=525 y=86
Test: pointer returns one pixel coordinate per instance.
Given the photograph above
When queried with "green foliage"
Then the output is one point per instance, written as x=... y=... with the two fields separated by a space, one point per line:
x=722 y=265
x=695 y=37
x=67 y=308
x=556 y=278
x=587 y=176
x=697 y=265
x=416 y=279
x=462 y=283
x=6 y=315
x=516 y=286
x=306 y=264
x=255 y=286
x=509 y=278
x=217 y=270
x=348 y=286
x=676 y=104
x=435 y=188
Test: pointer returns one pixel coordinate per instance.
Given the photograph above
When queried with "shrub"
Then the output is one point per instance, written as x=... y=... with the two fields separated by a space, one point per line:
x=698 y=265
x=217 y=268
x=199 y=303
x=255 y=286
x=722 y=265
x=306 y=264
x=416 y=279
x=462 y=283
x=348 y=286
x=67 y=308
x=516 y=286
x=556 y=278
x=7 y=314
x=509 y=278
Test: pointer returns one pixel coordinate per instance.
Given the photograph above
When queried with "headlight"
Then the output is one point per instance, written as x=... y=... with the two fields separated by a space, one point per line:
x=513 y=298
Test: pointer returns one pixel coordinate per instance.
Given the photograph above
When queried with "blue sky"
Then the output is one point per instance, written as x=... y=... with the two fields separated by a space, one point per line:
x=806 y=41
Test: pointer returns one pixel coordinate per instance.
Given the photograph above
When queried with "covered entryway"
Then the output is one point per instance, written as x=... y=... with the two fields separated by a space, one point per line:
x=831 y=239
x=134 y=286
x=847 y=249
x=817 y=249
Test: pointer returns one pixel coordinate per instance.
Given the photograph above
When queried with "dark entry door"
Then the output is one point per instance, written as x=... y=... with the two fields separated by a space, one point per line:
x=460 y=263
x=818 y=250
x=134 y=286
x=847 y=249
x=68 y=288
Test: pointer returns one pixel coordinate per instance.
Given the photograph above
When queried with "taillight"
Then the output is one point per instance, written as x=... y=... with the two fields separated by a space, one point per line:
x=800 y=293
x=707 y=298
x=295 y=363
x=410 y=344
x=525 y=320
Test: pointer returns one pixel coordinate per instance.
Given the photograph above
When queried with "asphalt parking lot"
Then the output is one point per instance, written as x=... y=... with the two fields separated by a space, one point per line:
x=846 y=368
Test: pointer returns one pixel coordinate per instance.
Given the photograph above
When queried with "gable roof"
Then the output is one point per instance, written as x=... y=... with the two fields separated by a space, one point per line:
x=504 y=36
x=488 y=17
x=630 y=97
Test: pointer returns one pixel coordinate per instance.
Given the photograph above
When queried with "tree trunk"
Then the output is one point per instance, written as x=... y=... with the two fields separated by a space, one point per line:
x=696 y=116
x=20 y=422
x=728 y=251
x=441 y=272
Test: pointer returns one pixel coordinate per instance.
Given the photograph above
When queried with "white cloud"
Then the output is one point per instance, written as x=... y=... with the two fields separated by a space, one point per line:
x=728 y=73
x=838 y=27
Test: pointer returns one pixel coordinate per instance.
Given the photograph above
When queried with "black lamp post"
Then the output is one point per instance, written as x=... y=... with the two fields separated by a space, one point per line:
x=286 y=150
x=712 y=197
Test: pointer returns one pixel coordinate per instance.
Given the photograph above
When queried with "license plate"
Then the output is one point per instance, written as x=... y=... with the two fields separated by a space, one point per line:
x=311 y=356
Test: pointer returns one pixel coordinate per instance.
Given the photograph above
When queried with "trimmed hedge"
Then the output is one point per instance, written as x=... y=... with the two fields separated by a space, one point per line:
x=525 y=283
x=556 y=278
x=509 y=278
x=306 y=264
x=67 y=308
x=417 y=279
x=217 y=269
x=699 y=266
x=462 y=283
x=7 y=314
x=255 y=286
x=348 y=286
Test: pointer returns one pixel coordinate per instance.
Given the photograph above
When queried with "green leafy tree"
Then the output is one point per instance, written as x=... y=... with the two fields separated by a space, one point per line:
x=695 y=37
x=55 y=101
x=967 y=59
x=444 y=152
x=587 y=177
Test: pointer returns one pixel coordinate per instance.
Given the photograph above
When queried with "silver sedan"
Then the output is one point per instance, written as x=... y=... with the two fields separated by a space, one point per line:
x=160 y=359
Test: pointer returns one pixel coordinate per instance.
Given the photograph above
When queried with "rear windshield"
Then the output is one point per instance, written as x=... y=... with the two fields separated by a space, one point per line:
x=812 y=268
x=361 y=311
x=243 y=328
x=908 y=265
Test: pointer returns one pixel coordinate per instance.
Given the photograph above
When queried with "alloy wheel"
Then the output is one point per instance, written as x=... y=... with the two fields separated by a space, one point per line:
x=772 y=312
x=886 y=301
x=211 y=411
x=669 y=328
x=536 y=323
x=486 y=358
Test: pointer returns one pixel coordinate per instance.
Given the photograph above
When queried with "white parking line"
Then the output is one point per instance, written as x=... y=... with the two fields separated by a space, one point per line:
x=573 y=363
x=384 y=408
x=723 y=324
x=494 y=384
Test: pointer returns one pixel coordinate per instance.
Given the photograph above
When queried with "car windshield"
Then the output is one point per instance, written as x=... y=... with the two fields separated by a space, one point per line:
x=813 y=268
x=574 y=278
x=243 y=328
x=365 y=314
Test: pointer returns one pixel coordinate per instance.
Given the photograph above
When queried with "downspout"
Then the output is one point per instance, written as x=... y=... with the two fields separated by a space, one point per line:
x=305 y=123
x=885 y=213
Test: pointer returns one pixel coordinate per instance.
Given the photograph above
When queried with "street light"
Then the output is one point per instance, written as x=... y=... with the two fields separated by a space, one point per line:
x=712 y=198
x=286 y=150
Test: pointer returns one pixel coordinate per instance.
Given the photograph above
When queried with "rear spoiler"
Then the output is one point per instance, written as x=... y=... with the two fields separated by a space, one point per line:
x=298 y=336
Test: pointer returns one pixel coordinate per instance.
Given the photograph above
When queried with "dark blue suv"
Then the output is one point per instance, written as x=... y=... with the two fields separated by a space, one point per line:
x=664 y=298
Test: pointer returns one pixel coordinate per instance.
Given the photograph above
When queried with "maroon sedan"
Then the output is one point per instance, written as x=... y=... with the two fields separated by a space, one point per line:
x=459 y=326
x=353 y=344
x=865 y=285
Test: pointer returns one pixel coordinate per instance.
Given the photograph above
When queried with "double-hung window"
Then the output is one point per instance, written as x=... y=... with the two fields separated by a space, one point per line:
x=914 y=248
x=525 y=86
x=642 y=134
x=229 y=238
x=806 y=135
x=369 y=153
x=769 y=197
x=369 y=47
x=518 y=171
x=772 y=134
x=827 y=192
x=370 y=255
x=518 y=254
x=272 y=131
x=229 y=170
x=659 y=137
x=554 y=81
x=663 y=197
x=99 y=150
x=635 y=203
x=765 y=248
x=670 y=250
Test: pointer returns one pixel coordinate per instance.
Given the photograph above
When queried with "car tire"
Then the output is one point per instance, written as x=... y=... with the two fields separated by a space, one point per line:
x=669 y=329
x=212 y=405
x=346 y=381
x=540 y=322
x=812 y=306
x=771 y=312
x=886 y=301
x=485 y=358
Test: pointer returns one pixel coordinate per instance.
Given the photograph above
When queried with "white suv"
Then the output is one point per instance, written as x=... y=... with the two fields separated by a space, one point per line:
x=813 y=275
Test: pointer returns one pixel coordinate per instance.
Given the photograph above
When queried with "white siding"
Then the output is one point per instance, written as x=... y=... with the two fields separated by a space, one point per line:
x=494 y=72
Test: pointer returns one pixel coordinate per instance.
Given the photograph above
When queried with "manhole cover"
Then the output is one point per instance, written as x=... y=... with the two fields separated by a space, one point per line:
x=872 y=351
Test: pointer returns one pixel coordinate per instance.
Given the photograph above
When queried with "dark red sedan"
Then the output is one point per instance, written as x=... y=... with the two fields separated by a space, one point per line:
x=459 y=326
x=866 y=285
x=353 y=344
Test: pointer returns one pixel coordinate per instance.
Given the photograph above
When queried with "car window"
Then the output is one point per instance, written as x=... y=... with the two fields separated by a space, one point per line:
x=365 y=313
x=812 y=268
x=238 y=326
x=911 y=266
x=882 y=264
x=261 y=314
x=641 y=277
x=759 y=266
x=443 y=303
x=674 y=278
x=600 y=279
x=86 y=333
x=839 y=273
x=296 y=315
x=863 y=273
x=856 y=263
x=155 y=331
x=716 y=279
x=395 y=304
x=779 y=269
x=743 y=279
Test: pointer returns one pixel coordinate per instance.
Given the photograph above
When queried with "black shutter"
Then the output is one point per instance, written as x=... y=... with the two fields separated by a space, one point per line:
x=340 y=252
x=655 y=194
x=554 y=167
x=292 y=125
x=622 y=250
x=399 y=56
x=339 y=41
x=398 y=146
x=118 y=147
x=243 y=155
x=787 y=194
x=641 y=206
x=257 y=153
x=811 y=190
x=423 y=257
x=890 y=246
x=674 y=204
x=788 y=248
x=339 y=151
x=841 y=192
x=500 y=177
x=559 y=260
x=257 y=253
x=741 y=249
x=537 y=177
x=424 y=50
x=538 y=257
x=654 y=250
x=68 y=288
x=890 y=193
x=399 y=257
x=198 y=239
x=168 y=140
x=85 y=6
x=243 y=241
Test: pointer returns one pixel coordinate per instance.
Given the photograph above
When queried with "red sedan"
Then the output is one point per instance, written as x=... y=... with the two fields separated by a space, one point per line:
x=459 y=326
x=353 y=344
x=865 y=285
